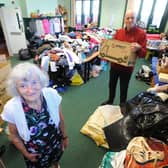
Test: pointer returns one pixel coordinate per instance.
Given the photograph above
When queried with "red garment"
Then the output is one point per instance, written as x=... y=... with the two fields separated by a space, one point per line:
x=134 y=35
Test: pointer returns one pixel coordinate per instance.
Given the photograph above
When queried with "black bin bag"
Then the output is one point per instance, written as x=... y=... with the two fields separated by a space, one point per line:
x=24 y=54
x=120 y=133
x=146 y=115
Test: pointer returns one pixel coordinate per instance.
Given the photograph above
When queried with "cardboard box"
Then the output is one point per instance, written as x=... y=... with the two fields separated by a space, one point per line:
x=5 y=68
x=161 y=70
x=118 y=52
x=163 y=77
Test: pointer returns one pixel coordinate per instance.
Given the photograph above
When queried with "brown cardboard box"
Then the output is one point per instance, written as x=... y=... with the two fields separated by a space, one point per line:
x=4 y=71
x=118 y=52
x=163 y=77
x=161 y=70
x=5 y=68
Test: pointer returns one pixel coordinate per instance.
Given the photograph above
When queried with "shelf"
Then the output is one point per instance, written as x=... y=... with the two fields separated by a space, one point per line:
x=46 y=17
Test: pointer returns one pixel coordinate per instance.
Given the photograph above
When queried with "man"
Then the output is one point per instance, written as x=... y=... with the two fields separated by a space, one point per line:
x=137 y=37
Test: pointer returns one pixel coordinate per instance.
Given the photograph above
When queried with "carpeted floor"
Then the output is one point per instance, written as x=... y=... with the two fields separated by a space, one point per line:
x=79 y=102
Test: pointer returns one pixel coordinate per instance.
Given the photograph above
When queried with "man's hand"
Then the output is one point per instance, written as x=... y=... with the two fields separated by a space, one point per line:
x=135 y=47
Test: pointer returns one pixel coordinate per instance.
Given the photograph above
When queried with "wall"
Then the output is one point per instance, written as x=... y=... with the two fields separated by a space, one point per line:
x=130 y=4
x=18 y=3
x=8 y=2
x=62 y=2
x=112 y=13
x=23 y=7
x=44 y=6
x=28 y=6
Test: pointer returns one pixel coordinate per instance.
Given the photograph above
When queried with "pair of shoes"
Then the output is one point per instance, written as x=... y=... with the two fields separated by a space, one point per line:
x=107 y=102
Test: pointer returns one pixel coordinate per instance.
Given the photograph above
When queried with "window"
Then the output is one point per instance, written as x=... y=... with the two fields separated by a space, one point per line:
x=152 y=12
x=160 y=6
x=78 y=12
x=137 y=5
x=146 y=11
x=87 y=11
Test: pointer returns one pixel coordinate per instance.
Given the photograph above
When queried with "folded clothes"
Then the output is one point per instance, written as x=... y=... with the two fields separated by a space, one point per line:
x=163 y=77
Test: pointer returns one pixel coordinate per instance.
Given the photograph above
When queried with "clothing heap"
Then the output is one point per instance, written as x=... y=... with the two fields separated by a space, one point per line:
x=64 y=55
x=143 y=117
x=141 y=152
x=144 y=74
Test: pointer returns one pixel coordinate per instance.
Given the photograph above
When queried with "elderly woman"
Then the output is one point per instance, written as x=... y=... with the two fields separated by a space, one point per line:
x=34 y=117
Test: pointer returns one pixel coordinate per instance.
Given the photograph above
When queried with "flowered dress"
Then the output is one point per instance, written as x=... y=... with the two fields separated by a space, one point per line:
x=45 y=137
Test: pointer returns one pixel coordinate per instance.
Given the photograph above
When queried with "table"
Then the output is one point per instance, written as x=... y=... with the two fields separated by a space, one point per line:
x=154 y=47
x=156 y=69
x=86 y=63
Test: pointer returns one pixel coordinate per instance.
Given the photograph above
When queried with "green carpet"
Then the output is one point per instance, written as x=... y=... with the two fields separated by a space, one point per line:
x=78 y=103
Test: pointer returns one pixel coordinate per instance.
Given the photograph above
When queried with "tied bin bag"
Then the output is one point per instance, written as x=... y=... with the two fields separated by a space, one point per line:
x=24 y=54
x=144 y=115
x=150 y=115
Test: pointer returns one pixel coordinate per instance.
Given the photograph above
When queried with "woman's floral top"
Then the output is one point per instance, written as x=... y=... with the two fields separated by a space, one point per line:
x=45 y=137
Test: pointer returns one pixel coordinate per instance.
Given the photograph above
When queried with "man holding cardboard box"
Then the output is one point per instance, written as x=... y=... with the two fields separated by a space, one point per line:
x=137 y=39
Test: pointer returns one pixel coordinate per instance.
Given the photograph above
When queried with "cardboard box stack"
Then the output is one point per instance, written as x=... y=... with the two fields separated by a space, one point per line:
x=5 y=68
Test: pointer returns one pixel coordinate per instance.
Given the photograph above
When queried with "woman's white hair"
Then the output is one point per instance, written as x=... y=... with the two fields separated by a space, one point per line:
x=25 y=71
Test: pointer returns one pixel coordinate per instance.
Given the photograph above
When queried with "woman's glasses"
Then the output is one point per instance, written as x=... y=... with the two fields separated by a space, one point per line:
x=25 y=84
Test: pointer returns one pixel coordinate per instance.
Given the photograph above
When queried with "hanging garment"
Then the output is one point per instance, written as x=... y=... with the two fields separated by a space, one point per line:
x=57 y=25
x=51 y=22
x=40 y=29
x=32 y=26
x=46 y=26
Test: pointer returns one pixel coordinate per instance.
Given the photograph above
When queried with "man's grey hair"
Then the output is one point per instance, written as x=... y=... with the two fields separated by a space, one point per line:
x=25 y=71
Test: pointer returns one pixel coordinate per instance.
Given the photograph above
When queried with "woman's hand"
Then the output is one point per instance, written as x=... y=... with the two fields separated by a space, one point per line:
x=62 y=126
x=65 y=142
x=15 y=138
x=33 y=157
